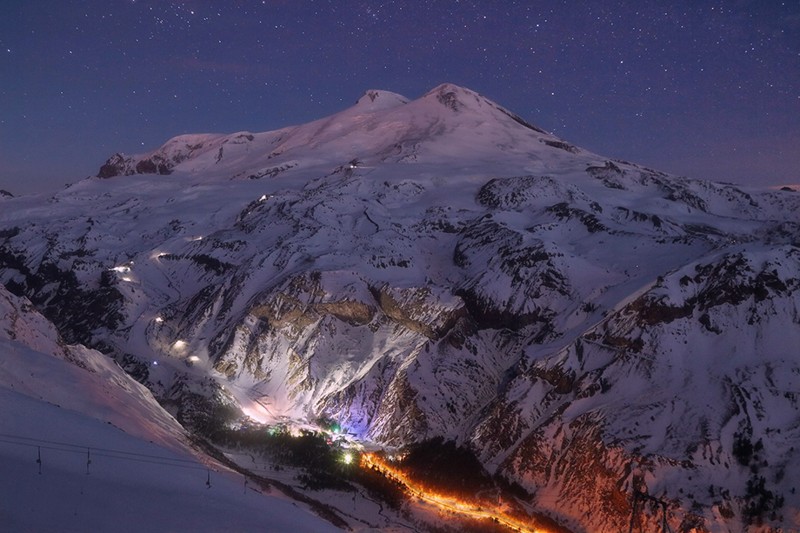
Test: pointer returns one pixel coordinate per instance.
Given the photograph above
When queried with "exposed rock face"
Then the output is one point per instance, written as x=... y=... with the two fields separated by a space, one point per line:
x=440 y=267
x=164 y=160
x=623 y=401
x=121 y=165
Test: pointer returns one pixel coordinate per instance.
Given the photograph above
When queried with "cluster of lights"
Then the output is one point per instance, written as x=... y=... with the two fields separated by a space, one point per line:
x=123 y=269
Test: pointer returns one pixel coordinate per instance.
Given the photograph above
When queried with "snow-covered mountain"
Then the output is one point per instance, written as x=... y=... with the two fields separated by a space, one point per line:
x=440 y=267
x=84 y=447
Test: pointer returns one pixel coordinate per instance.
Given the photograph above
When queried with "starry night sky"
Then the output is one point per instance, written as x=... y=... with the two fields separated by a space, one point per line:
x=696 y=88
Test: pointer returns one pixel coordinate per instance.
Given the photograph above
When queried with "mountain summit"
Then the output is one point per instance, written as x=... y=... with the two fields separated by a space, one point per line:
x=381 y=128
x=601 y=334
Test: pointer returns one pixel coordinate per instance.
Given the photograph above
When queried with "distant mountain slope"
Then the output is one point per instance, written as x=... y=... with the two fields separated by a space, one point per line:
x=440 y=267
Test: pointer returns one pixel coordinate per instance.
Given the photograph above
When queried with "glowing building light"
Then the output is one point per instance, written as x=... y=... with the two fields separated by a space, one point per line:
x=159 y=320
x=193 y=359
x=347 y=458
x=179 y=345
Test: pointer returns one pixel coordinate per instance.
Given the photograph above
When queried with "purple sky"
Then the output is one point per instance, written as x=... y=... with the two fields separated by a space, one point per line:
x=696 y=88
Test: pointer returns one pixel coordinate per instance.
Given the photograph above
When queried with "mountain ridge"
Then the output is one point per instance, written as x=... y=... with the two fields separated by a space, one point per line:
x=403 y=124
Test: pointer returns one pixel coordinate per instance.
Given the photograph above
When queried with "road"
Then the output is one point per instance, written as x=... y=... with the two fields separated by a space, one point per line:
x=447 y=503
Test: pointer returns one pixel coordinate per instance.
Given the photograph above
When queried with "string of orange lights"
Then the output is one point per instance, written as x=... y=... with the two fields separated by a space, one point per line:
x=447 y=503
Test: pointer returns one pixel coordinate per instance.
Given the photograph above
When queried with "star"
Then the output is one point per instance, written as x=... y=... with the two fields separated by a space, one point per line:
x=669 y=80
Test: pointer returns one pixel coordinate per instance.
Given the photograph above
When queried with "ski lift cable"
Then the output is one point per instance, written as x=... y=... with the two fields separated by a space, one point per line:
x=195 y=466
x=98 y=452
x=81 y=448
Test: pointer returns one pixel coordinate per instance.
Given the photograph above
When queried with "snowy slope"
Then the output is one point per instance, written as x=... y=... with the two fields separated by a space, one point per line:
x=438 y=266
x=111 y=457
